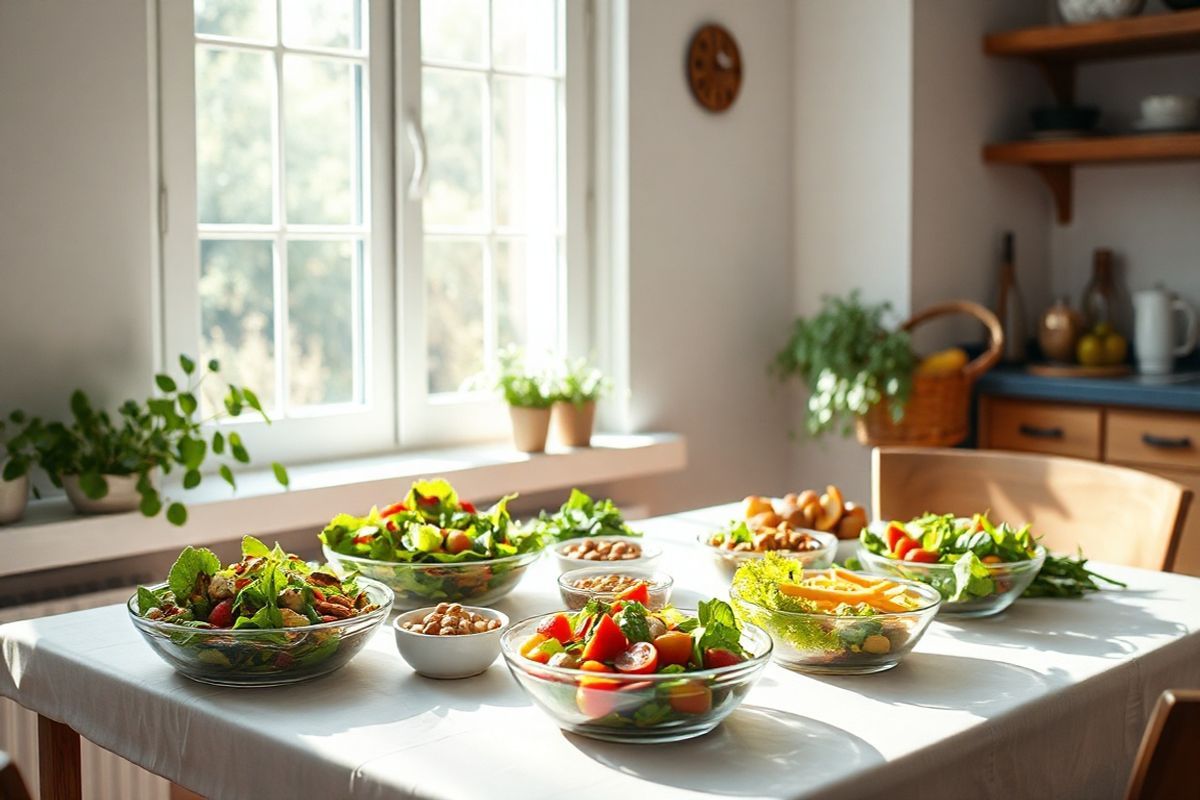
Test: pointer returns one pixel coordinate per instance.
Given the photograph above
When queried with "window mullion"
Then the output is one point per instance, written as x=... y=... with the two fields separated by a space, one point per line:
x=280 y=261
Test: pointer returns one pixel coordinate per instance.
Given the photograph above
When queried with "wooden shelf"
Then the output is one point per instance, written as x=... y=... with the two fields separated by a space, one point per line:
x=1158 y=33
x=1053 y=160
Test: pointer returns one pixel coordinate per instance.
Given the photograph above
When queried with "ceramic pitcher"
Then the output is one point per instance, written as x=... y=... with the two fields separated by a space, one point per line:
x=1155 y=337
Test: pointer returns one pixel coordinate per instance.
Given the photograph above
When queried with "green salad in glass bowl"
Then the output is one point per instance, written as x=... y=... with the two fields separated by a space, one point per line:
x=434 y=547
x=977 y=566
x=268 y=620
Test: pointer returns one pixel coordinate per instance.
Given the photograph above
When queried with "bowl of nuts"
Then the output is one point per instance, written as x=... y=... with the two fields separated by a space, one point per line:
x=738 y=543
x=449 y=640
x=589 y=550
x=609 y=583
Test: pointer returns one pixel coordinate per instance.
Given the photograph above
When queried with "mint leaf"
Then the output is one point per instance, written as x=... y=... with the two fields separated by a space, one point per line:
x=192 y=563
x=720 y=628
x=632 y=621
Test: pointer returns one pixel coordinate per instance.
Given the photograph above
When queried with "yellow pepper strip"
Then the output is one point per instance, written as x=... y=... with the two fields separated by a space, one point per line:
x=859 y=580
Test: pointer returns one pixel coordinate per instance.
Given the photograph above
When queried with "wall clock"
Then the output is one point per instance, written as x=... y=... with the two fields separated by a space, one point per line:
x=714 y=68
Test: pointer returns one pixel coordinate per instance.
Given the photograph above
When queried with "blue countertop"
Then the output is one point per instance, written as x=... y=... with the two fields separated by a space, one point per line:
x=1177 y=392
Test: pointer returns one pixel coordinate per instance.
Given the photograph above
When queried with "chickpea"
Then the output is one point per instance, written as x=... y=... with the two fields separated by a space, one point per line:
x=453 y=620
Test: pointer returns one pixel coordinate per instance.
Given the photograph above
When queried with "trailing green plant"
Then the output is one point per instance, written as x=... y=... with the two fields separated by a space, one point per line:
x=850 y=362
x=18 y=434
x=578 y=382
x=162 y=433
x=520 y=385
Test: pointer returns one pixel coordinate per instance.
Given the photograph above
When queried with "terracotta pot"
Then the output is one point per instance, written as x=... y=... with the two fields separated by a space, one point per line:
x=14 y=496
x=122 y=495
x=530 y=427
x=573 y=423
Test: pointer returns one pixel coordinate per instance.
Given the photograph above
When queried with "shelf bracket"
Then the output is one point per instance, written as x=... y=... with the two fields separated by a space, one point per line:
x=1058 y=178
x=1061 y=77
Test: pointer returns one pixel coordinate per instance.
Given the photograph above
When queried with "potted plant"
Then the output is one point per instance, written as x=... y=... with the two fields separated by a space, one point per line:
x=850 y=362
x=108 y=463
x=578 y=386
x=17 y=435
x=529 y=395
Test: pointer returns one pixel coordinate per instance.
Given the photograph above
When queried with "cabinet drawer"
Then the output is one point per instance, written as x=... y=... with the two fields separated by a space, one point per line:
x=1153 y=438
x=1042 y=428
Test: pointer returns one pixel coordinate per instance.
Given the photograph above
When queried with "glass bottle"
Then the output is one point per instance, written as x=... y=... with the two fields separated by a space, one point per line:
x=1100 y=297
x=1010 y=308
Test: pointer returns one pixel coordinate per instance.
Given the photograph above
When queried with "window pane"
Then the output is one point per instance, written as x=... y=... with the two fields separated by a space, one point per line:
x=237 y=320
x=525 y=143
x=454 y=30
x=452 y=108
x=323 y=23
x=321 y=139
x=242 y=19
x=453 y=311
x=526 y=276
x=234 y=154
x=322 y=321
x=525 y=34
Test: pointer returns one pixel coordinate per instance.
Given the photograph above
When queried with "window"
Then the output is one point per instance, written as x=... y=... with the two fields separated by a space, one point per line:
x=360 y=209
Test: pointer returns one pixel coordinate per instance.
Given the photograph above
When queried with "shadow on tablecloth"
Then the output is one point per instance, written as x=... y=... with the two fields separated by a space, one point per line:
x=784 y=745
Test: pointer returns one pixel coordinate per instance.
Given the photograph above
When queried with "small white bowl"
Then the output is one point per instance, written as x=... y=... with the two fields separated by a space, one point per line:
x=648 y=558
x=448 y=657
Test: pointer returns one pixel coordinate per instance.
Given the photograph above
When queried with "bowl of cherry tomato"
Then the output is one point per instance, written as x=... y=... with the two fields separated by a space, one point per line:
x=623 y=673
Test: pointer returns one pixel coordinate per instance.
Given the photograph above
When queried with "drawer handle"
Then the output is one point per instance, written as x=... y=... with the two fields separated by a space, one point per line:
x=1166 y=442
x=1035 y=432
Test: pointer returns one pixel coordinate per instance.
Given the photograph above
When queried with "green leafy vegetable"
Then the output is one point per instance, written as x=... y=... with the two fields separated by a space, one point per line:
x=191 y=564
x=719 y=629
x=1064 y=576
x=631 y=619
x=582 y=516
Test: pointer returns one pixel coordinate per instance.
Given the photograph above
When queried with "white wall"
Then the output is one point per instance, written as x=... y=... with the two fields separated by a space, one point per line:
x=853 y=141
x=76 y=231
x=710 y=270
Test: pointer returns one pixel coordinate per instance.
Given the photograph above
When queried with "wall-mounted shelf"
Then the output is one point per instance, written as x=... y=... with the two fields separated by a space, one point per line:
x=1054 y=159
x=1058 y=48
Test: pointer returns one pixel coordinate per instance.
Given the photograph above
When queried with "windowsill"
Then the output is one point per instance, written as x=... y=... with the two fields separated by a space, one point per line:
x=52 y=535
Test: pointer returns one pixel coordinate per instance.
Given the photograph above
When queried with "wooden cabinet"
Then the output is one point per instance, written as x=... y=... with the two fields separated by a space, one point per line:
x=1038 y=427
x=1165 y=443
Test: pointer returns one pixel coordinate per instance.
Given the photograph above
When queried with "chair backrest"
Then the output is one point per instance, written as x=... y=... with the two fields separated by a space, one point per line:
x=1115 y=514
x=1165 y=766
x=11 y=785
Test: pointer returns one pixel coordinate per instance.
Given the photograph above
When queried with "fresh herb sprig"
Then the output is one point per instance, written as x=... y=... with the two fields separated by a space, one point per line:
x=1067 y=576
x=582 y=516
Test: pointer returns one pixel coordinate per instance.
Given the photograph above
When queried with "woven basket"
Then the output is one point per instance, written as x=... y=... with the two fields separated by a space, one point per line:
x=938 y=410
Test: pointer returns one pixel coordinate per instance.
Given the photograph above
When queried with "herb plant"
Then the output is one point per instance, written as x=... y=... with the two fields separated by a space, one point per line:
x=850 y=362
x=582 y=516
x=519 y=384
x=161 y=433
x=579 y=382
x=18 y=434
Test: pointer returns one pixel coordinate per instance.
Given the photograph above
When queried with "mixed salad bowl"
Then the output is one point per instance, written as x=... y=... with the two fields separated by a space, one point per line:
x=268 y=620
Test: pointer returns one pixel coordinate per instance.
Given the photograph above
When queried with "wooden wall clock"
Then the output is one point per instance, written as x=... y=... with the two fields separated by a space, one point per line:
x=714 y=68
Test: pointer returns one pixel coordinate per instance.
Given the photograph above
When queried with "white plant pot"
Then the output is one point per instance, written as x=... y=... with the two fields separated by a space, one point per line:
x=14 y=496
x=122 y=495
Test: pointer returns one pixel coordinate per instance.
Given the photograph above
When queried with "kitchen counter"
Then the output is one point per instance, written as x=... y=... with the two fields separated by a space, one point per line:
x=1179 y=391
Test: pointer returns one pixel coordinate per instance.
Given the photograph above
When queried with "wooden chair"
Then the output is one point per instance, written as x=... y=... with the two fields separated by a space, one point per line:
x=1115 y=514
x=1165 y=767
x=11 y=785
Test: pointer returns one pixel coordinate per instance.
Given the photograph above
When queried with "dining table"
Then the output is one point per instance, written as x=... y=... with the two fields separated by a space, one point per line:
x=1047 y=699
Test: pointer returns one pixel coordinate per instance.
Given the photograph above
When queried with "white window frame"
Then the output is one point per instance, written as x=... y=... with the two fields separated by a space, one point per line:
x=398 y=412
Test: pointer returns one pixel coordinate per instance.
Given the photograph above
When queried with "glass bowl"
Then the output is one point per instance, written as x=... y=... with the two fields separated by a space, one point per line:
x=728 y=561
x=649 y=557
x=635 y=709
x=255 y=657
x=417 y=585
x=658 y=583
x=829 y=644
x=1010 y=578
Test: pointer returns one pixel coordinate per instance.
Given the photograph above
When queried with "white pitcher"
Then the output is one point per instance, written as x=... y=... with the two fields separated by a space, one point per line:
x=1155 y=342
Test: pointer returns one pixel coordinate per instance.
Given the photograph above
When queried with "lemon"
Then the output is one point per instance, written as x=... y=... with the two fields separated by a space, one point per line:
x=943 y=362
x=1090 y=351
x=1103 y=329
x=1115 y=349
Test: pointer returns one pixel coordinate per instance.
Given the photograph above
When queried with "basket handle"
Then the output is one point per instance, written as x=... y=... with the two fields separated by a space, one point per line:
x=985 y=360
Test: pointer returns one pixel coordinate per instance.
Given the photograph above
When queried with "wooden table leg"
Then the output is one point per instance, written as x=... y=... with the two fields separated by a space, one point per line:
x=59 y=770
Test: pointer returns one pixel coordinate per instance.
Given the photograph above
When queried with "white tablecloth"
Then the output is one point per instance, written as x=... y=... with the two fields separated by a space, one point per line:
x=1047 y=700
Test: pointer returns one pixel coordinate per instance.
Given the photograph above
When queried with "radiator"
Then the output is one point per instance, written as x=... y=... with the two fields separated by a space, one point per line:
x=105 y=776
